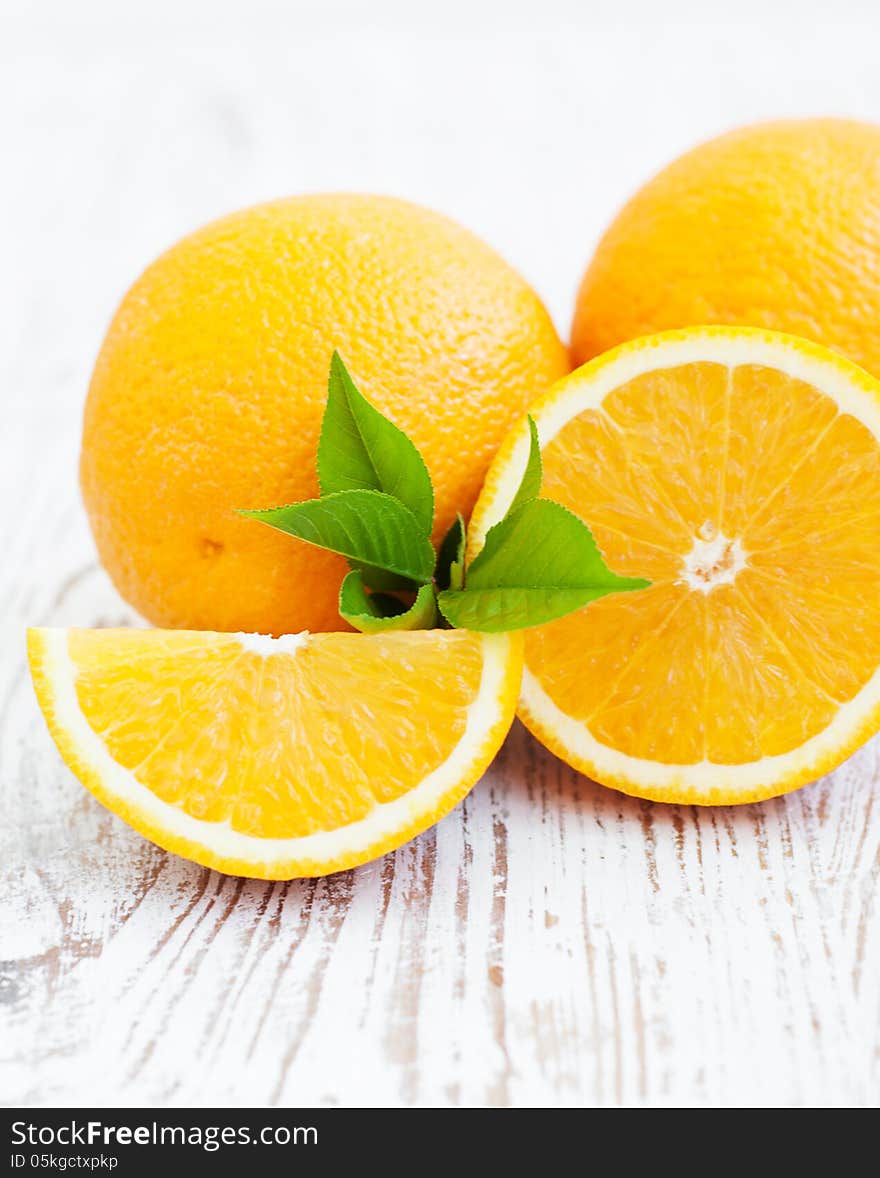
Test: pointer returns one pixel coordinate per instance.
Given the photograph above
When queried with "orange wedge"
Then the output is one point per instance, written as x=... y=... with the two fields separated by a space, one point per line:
x=277 y=758
x=739 y=470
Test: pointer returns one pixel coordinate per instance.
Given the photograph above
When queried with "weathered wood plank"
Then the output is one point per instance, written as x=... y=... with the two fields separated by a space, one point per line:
x=550 y=942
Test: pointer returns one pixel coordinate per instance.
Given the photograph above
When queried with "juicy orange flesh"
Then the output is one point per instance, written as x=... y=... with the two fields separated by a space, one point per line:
x=761 y=661
x=279 y=746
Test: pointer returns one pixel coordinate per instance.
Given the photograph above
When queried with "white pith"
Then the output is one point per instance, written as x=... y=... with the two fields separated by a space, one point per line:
x=265 y=644
x=384 y=820
x=714 y=560
x=696 y=780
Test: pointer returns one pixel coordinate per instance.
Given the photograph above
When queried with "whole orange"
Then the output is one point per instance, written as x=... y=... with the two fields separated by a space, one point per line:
x=208 y=393
x=775 y=225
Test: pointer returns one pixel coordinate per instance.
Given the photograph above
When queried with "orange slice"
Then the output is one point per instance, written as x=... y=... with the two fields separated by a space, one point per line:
x=740 y=471
x=277 y=758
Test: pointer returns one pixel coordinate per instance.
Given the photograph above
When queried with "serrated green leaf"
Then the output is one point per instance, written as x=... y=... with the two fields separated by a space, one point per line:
x=369 y=527
x=360 y=449
x=496 y=611
x=530 y=485
x=376 y=614
x=538 y=564
x=449 y=573
x=543 y=545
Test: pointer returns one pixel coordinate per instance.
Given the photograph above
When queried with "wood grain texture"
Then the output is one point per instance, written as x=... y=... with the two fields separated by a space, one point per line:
x=549 y=943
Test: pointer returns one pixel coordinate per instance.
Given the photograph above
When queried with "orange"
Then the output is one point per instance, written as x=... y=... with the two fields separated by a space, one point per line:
x=739 y=470
x=208 y=393
x=775 y=225
x=277 y=757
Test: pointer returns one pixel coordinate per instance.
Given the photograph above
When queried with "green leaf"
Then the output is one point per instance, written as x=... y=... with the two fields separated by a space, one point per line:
x=369 y=527
x=354 y=599
x=360 y=449
x=450 y=559
x=387 y=605
x=382 y=580
x=376 y=614
x=530 y=486
x=539 y=563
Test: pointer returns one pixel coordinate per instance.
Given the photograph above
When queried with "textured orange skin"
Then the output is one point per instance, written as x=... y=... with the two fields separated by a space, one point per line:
x=775 y=225
x=209 y=389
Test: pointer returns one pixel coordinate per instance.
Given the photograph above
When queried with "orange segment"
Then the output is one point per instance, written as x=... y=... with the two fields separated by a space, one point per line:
x=762 y=422
x=841 y=470
x=277 y=757
x=676 y=452
x=654 y=709
x=760 y=702
x=816 y=625
x=634 y=524
x=620 y=628
x=740 y=471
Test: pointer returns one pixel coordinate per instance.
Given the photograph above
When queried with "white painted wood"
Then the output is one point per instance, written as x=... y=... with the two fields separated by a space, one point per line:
x=551 y=942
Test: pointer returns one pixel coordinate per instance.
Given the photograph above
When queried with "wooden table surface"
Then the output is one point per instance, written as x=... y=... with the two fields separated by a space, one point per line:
x=549 y=943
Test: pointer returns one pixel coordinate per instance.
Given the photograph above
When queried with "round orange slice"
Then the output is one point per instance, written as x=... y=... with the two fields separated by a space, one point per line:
x=739 y=470
x=277 y=758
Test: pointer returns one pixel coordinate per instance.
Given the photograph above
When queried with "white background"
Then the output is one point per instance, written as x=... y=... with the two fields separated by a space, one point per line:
x=122 y=127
